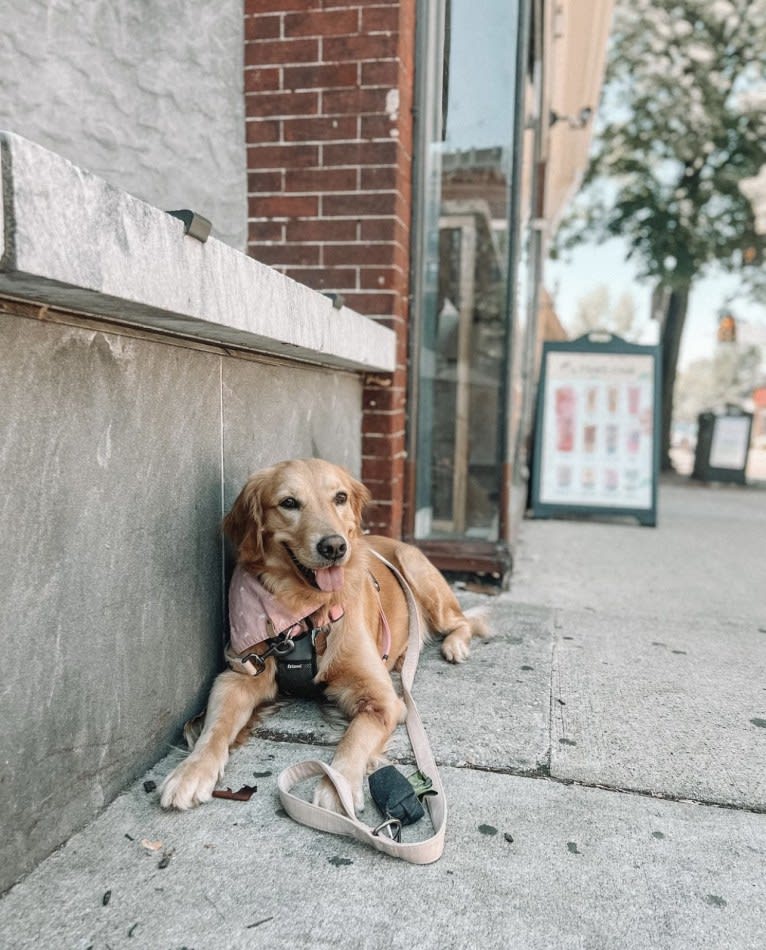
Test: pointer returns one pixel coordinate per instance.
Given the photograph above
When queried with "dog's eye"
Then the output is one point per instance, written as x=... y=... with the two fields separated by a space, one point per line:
x=341 y=498
x=289 y=503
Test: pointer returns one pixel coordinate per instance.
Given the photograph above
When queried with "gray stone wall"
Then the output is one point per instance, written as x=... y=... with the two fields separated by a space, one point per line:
x=148 y=95
x=120 y=450
x=144 y=376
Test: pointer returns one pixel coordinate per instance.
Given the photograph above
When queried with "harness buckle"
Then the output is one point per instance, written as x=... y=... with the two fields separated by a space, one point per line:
x=258 y=661
x=392 y=827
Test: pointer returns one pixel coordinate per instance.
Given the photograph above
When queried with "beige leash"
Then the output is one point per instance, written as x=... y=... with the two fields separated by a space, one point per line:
x=416 y=852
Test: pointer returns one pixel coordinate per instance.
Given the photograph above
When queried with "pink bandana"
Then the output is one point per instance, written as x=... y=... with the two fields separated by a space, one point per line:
x=256 y=615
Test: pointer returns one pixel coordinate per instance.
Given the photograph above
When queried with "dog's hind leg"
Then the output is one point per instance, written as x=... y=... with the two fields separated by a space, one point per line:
x=456 y=645
x=232 y=700
x=439 y=605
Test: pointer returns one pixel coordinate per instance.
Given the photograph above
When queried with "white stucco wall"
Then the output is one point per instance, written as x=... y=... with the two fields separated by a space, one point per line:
x=147 y=94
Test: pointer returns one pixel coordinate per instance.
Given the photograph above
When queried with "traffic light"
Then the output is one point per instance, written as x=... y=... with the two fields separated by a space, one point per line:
x=727 y=329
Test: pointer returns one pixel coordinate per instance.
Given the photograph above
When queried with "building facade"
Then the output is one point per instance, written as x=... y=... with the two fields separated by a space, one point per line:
x=410 y=156
x=405 y=156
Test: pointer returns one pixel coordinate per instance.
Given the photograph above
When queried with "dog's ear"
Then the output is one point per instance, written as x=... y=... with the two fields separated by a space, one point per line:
x=243 y=525
x=359 y=497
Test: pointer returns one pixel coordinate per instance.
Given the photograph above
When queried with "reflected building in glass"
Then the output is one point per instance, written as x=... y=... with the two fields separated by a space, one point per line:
x=464 y=298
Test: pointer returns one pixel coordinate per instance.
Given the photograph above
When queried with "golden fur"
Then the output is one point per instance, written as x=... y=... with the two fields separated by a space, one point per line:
x=297 y=505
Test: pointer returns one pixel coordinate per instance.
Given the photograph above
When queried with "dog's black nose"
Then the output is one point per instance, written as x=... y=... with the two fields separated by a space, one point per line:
x=332 y=547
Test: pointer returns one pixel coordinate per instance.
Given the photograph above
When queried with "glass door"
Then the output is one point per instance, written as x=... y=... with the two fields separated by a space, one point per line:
x=462 y=284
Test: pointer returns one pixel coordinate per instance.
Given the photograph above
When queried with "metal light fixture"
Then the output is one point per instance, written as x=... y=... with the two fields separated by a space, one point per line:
x=194 y=224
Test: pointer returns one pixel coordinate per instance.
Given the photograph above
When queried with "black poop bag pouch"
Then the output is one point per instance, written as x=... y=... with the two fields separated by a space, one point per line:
x=395 y=796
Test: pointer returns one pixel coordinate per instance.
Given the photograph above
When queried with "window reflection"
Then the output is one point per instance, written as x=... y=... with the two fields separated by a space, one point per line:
x=464 y=306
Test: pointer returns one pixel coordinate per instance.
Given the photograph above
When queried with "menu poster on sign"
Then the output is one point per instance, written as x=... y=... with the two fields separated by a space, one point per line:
x=597 y=432
x=731 y=438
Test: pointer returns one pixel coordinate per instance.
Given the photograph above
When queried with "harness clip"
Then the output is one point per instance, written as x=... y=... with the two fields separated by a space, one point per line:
x=392 y=827
x=280 y=648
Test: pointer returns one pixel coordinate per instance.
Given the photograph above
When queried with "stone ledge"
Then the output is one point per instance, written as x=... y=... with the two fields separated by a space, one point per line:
x=69 y=239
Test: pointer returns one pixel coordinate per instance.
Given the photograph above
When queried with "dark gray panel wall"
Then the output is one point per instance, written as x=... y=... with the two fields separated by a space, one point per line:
x=114 y=454
x=304 y=413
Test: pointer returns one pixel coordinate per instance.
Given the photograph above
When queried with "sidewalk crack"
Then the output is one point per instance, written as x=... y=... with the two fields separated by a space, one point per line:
x=544 y=773
x=555 y=707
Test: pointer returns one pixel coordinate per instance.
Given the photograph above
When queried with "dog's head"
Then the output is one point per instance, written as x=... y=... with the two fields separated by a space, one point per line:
x=296 y=523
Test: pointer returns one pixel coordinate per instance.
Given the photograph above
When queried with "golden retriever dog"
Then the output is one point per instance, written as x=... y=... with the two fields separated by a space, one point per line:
x=297 y=532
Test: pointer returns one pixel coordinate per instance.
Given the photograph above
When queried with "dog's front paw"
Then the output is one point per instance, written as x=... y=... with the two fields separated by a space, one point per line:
x=325 y=796
x=455 y=649
x=189 y=784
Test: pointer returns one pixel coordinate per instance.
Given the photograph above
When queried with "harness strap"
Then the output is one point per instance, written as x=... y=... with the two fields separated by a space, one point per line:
x=416 y=852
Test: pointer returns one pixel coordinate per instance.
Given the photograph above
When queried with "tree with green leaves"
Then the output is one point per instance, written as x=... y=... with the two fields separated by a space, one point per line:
x=682 y=123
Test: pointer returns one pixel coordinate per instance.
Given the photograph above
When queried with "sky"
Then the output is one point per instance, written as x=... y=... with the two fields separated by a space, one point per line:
x=591 y=266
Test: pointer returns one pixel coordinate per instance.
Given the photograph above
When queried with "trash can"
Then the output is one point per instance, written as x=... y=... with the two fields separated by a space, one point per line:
x=723 y=443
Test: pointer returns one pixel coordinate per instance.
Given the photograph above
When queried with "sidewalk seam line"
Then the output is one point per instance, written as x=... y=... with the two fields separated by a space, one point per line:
x=542 y=772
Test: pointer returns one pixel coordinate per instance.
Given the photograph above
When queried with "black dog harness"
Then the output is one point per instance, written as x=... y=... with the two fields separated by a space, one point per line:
x=296 y=658
x=297 y=668
x=297 y=662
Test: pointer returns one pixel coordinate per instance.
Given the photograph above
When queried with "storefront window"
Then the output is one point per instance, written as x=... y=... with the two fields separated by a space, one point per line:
x=462 y=286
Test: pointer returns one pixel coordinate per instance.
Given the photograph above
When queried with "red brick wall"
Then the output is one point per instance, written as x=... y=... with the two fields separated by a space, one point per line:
x=329 y=156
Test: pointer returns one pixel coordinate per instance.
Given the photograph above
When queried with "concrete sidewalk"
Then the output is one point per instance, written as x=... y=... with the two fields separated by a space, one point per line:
x=604 y=758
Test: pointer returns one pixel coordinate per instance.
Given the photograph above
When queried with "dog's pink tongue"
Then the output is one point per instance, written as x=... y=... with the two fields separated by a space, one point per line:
x=329 y=578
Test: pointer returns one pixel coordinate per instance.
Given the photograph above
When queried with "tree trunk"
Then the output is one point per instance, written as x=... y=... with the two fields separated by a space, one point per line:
x=672 y=330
